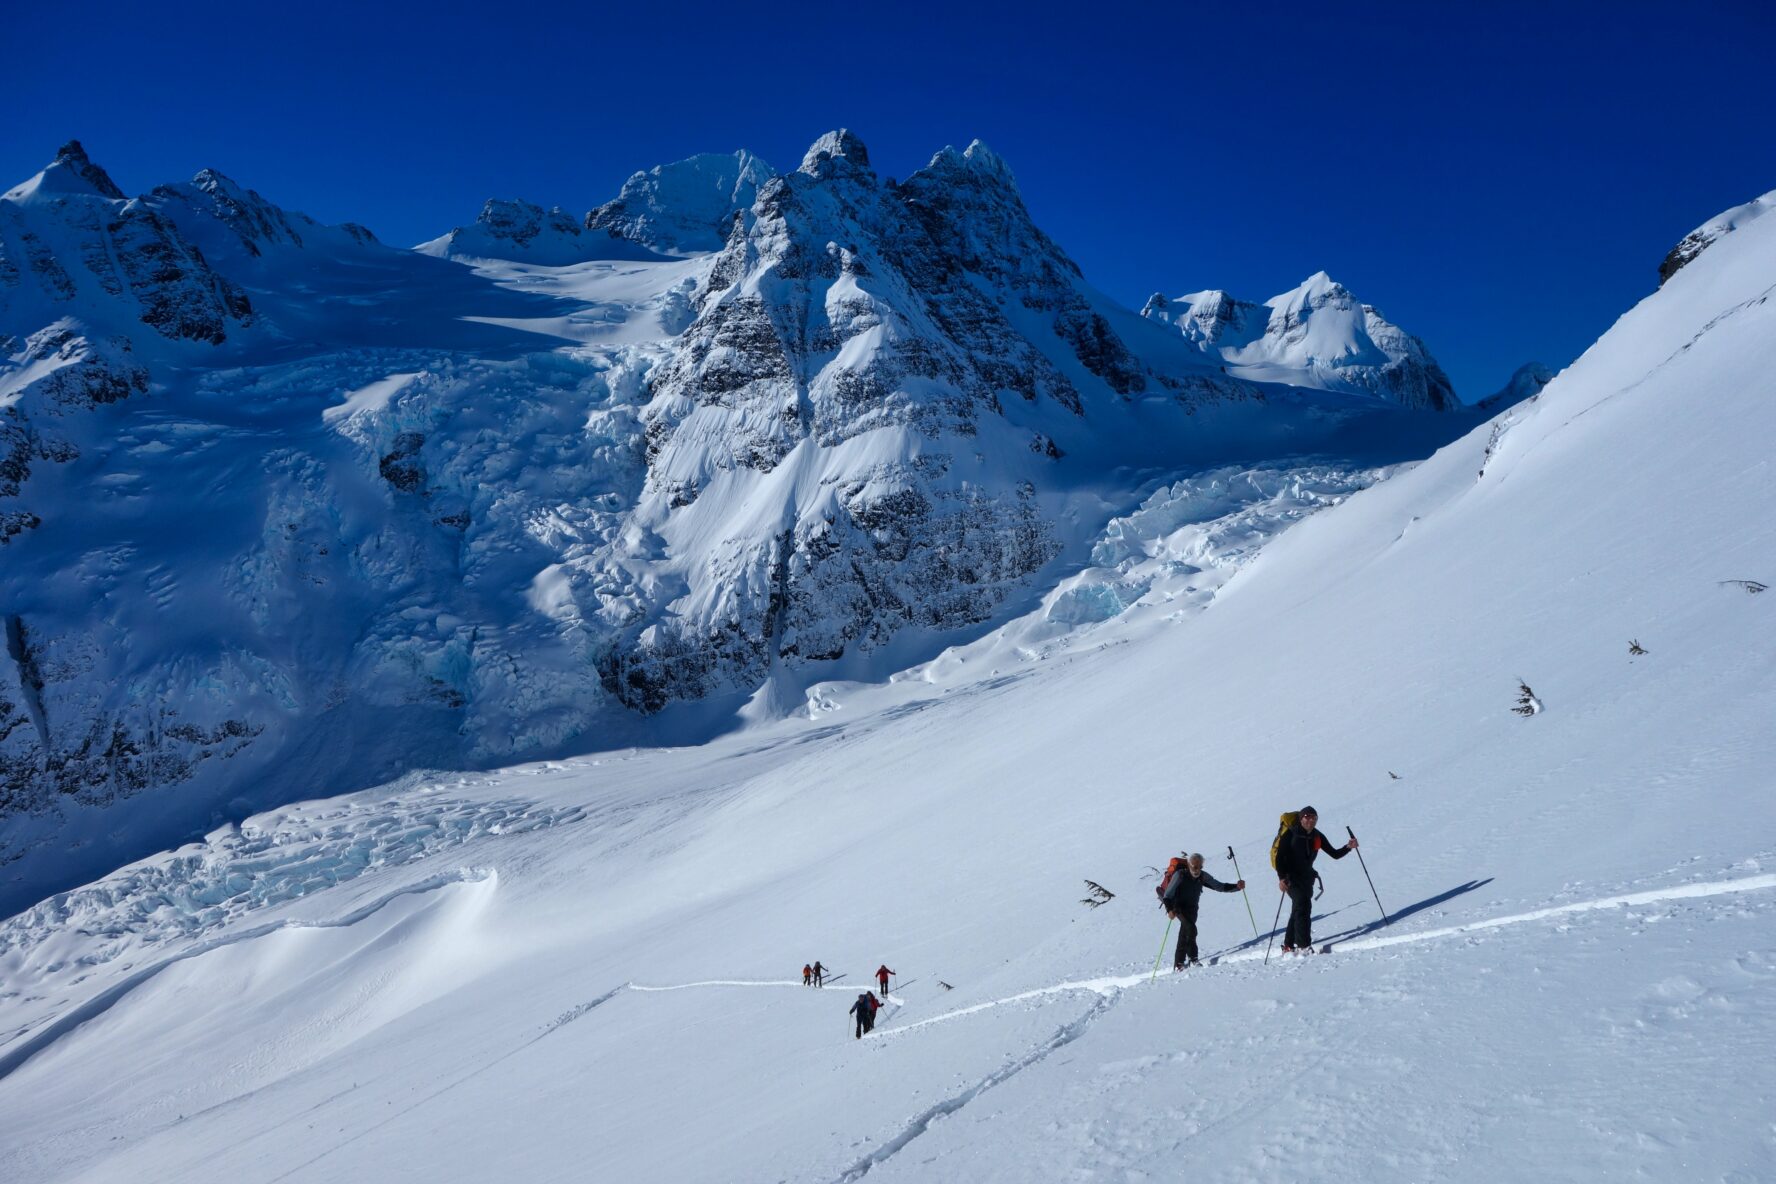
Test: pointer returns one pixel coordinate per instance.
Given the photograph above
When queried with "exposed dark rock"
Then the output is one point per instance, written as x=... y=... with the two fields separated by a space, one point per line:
x=74 y=157
x=402 y=466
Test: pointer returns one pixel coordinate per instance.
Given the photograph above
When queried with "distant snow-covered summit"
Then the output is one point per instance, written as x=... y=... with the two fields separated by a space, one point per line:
x=1526 y=383
x=685 y=207
x=1315 y=335
x=72 y=245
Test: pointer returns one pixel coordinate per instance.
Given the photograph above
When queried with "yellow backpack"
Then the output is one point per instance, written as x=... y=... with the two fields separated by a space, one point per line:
x=1289 y=819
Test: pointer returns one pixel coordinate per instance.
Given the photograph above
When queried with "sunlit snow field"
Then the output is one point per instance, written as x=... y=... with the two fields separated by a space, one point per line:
x=452 y=977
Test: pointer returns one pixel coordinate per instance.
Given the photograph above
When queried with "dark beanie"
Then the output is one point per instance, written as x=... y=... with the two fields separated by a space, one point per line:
x=1308 y=810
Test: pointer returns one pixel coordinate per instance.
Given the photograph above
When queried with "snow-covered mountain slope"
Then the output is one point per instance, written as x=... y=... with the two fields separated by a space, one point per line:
x=416 y=511
x=525 y=233
x=1316 y=335
x=586 y=967
x=684 y=208
x=1698 y=240
x=1526 y=382
x=71 y=244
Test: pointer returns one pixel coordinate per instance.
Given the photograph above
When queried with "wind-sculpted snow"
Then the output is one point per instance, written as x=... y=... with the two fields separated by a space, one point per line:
x=265 y=861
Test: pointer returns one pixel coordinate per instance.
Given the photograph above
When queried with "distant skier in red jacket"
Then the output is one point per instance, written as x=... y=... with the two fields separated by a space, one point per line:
x=882 y=976
x=807 y=974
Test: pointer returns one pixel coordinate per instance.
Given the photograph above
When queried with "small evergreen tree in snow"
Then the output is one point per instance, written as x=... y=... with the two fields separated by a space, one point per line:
x=1634 y=650
x=1527 y=703
x=1098 y=894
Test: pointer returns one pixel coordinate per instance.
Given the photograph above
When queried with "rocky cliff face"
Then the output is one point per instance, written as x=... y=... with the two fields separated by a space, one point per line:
x=1317 y=335
x=836 y=417
x=75 y=246
x=1698 y=240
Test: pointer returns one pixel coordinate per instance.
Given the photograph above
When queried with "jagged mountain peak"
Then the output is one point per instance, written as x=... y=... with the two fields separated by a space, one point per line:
x=73 y=158
x=72 y=172
x=977 y=160
x=1315 y=289
x=842 y=144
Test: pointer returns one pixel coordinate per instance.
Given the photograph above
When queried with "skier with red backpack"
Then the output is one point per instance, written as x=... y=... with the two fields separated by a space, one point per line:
x=883 y=974
x=1292 y=855
x=1181 y=892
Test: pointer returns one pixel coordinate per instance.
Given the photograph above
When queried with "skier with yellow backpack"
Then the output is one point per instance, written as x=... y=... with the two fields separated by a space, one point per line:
x=1298 y=841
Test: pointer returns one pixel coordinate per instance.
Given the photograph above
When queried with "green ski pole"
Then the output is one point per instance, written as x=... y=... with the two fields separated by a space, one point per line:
x=1248 y=899
x=1162 y=947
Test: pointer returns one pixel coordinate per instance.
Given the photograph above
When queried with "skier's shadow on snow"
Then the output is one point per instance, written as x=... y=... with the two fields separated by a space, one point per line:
x=1427 y=902
x=1370 y=927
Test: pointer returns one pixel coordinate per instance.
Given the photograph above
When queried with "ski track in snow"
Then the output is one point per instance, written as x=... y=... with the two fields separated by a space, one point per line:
x=1110 y=986
x=1113 y=985
x=1109 y=989
x=922 y=1122
x=555 y=1025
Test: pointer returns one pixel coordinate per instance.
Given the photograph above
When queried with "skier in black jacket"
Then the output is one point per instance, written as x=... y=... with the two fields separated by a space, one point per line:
x=1181 y=898
x=865 y=1010
x=1295 y=875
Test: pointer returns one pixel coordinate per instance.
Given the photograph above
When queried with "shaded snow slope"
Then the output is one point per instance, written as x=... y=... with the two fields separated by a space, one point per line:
x=1578 y=964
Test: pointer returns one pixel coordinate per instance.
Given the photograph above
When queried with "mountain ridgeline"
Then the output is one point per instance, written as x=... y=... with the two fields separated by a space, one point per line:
x=285 y=510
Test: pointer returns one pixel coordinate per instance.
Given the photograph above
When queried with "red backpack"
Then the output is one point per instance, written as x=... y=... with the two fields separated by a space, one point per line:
x=1165 y=881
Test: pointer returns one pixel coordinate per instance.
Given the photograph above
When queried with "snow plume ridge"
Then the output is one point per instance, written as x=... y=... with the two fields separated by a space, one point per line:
x=12 y=1058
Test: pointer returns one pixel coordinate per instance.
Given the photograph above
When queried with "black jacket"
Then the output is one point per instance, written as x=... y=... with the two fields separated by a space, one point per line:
x=1185 y=890
x=1296 y=851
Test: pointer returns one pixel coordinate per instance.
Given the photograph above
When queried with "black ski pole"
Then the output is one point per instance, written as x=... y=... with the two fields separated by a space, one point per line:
x=1248 y=899
x=1385 y=919
x=1273 y=929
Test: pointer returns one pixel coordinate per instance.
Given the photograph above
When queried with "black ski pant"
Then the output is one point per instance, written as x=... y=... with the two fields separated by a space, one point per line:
x=1301 y=906
x=866 y=1022
x=1186 y=937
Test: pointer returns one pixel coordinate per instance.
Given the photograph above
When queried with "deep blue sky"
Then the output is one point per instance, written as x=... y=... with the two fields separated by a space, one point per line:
x=1502 y=181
